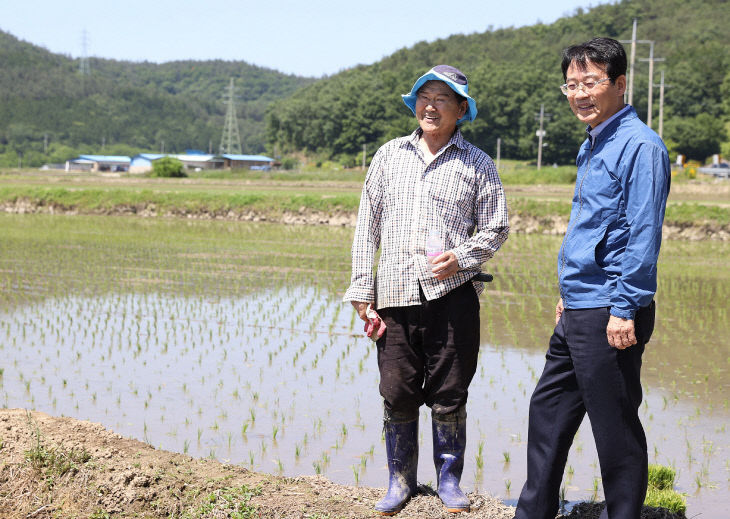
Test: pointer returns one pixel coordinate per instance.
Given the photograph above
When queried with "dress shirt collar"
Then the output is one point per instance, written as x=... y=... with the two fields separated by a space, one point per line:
x=594 y=132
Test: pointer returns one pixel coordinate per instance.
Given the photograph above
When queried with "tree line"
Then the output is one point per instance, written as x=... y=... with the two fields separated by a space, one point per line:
x=513 y=71
x=49 y=112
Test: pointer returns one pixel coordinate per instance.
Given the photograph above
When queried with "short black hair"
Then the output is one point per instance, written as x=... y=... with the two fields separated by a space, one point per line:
x=602 y=51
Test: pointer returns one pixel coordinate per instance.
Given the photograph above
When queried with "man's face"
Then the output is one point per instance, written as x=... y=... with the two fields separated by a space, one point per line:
x=437 y=108
x=594 y=106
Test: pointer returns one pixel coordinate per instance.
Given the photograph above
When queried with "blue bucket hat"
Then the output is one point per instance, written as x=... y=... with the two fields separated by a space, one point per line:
x=453 y=77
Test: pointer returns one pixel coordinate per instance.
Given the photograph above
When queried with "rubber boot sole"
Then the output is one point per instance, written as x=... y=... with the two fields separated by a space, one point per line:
x=457 y=510
x=390 y=513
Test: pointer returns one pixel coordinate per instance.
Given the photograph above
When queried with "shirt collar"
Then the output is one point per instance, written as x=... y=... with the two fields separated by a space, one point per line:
x=456 y=139
x=594 y=132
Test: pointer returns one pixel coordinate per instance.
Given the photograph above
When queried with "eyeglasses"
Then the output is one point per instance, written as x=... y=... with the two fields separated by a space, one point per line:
x=586 y=86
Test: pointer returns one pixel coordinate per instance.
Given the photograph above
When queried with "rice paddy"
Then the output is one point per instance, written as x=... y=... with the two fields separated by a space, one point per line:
x=228 y=340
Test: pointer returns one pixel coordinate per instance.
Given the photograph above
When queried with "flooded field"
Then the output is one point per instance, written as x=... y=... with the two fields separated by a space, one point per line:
x=228 y=340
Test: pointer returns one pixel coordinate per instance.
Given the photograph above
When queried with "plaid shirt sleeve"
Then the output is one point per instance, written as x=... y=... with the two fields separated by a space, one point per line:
x=491 y=219
x=367 y=234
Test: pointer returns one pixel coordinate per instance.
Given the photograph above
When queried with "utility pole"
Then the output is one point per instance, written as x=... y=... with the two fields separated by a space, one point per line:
x=661 y=86
x=45 y=144
x=499 y=151
x=631 y=66
x=230 y=139
x=541 y=133
x=651 y=61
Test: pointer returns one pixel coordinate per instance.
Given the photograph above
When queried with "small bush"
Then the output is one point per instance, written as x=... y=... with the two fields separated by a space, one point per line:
x=289 y=163
x=168 y=167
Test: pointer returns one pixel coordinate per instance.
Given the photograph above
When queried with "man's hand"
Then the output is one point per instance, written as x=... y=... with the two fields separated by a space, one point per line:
x=559 y=310
x=445 y=265
x=620 y=332
x=360 y=308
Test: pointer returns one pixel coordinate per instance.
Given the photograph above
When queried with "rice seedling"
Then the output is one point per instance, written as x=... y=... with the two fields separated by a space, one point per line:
x=479 y=458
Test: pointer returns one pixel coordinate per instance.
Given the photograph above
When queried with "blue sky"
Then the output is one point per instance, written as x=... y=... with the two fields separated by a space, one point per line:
x=311 y=38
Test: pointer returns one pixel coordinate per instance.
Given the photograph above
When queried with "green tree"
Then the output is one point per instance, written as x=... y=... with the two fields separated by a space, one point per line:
x=696 y=137
x=168 y=167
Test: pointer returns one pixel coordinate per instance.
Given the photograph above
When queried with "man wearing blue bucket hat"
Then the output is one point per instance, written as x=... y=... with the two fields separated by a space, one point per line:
x=434 y=205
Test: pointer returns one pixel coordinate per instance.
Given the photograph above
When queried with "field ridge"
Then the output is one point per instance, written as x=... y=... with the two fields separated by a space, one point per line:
x=531 y=218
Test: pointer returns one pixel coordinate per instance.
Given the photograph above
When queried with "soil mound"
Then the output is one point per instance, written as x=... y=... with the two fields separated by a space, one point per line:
x=61 y=467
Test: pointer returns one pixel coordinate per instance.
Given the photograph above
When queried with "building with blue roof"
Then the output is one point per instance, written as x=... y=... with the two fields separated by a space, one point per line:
x=142 y=163
x=231 y=161
x=97 y=163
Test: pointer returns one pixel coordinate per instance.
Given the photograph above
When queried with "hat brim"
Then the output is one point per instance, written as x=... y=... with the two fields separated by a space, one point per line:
x=431 y=75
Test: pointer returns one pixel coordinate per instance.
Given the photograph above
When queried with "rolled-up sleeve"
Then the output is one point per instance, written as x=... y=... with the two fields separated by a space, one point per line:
x=491 y=218
x=645 y=188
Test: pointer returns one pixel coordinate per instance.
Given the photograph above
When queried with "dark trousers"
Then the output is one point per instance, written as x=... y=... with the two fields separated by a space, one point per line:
x=429 y=354
x=583 y=373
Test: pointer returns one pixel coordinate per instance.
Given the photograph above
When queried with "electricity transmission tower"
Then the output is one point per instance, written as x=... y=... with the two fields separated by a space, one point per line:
x=84 y=68
x=230 y=140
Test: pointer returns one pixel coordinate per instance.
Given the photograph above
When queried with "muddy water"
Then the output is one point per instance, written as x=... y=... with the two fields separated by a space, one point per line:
x=228 y=340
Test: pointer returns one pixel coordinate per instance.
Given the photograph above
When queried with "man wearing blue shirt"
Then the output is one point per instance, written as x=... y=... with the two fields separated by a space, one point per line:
x=607 y=277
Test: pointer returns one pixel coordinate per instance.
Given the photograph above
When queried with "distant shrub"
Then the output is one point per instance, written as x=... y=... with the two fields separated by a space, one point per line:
x=289 y=163
x=168 y=167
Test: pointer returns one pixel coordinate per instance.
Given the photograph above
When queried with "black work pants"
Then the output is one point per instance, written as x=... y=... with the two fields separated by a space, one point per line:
x=584 y=374
x=429 y=354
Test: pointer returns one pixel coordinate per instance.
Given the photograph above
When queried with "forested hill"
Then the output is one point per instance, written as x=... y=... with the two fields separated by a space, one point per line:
x=129 y=106
x=513 y=71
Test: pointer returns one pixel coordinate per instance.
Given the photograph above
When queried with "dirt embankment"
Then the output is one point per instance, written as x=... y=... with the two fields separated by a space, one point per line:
x=555 y=225
x=60 y=467
x=65 y=468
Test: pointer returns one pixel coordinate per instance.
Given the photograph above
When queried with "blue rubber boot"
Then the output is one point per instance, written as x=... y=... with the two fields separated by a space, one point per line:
x=449 y=443
x=401 y=447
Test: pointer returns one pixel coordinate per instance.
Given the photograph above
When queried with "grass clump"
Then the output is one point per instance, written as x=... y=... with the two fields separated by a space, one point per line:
x=233 y=502
x=660 y=492
x=53 y=462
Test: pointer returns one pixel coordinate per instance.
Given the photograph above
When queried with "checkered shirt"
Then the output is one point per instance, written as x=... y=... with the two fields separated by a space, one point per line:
x=404 y=199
